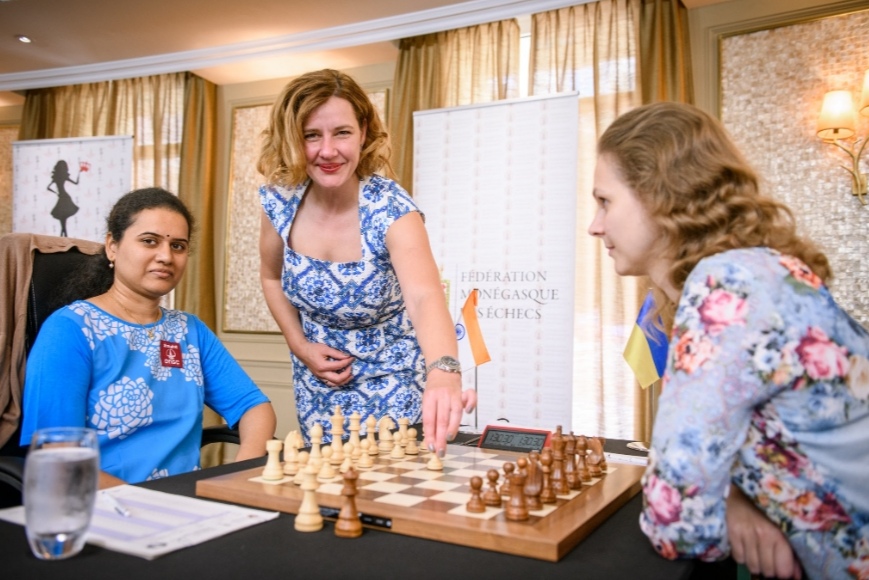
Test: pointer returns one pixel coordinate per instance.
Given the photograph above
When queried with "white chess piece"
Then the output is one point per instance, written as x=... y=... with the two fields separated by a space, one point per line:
x=273 y=470
x=309 y=518
x=365 y=459
x=303 y=463
x=411 y=448
x=327 y=470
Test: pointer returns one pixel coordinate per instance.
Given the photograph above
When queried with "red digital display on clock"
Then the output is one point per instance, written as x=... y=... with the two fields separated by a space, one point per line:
x=508 y=438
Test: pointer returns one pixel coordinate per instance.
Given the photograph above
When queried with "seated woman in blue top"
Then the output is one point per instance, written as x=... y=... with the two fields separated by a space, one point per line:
x=136 y=372
x=761 y=441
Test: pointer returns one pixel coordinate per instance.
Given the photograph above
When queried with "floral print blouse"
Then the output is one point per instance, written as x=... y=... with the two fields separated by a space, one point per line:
x=767 y=387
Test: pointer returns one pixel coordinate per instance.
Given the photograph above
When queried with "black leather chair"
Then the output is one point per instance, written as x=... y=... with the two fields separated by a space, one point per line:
x=49 y=272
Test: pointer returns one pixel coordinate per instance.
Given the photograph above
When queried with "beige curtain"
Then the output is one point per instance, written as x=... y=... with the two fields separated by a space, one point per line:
x=172 y=119
x=151 y=109
x=196 y=292
x=592 y=49
x=477 y=64
x=617 y=54
x=665 y=52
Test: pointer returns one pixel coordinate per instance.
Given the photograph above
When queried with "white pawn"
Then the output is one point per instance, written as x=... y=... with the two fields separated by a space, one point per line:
x=273 y=470
x=402 y=431
x=354 y=428
x=371 y=425
x=337 y=433
x=327 y=471
x=303 y=463
x=309 y=518
x=365 y=460
x=348 y=458
x=291 y=453
x=397 y=450
x=385 y=434
x=435 y=463
x=411 y=448
x=316 y=441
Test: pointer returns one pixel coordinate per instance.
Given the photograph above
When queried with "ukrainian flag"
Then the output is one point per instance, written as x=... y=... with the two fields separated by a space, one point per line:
x=646 y=351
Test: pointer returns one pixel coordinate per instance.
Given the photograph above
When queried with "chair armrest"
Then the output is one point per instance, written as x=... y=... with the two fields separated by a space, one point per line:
x=12 y=472
x=219 y=434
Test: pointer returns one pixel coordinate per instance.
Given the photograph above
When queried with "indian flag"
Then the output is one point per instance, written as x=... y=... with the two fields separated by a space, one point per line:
x=472 y=348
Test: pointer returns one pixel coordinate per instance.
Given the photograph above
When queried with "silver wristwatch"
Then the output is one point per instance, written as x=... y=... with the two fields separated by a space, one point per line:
x=445 y=363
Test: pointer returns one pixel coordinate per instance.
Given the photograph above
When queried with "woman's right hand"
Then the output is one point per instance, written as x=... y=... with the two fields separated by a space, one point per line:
x=331 y=366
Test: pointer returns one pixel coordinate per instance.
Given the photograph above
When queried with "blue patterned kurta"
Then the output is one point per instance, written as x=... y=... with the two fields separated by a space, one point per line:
x=767 y=386
x=91 y=369
x=354 y=307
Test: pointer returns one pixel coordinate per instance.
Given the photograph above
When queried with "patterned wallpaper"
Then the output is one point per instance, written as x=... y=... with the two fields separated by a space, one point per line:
x=8 y=134
x=772 y=85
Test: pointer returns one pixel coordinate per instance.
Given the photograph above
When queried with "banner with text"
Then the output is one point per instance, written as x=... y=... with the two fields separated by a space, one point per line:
x=497 y=183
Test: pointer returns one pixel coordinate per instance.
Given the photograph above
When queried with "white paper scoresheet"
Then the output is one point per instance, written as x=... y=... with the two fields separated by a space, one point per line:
x=159 y=522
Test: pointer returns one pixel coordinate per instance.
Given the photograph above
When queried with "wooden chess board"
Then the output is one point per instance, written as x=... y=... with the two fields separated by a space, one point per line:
x=402 y=496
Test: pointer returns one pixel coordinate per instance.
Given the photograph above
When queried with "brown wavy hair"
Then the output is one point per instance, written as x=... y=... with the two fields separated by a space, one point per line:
x=282 y=157
x=698 y=187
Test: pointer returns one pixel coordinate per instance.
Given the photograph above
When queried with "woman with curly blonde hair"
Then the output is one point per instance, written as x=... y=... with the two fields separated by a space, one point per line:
x=761 y=441
x=347 y=270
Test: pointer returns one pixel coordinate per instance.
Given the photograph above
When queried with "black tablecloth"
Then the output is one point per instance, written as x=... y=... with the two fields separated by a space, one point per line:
x=617 y=549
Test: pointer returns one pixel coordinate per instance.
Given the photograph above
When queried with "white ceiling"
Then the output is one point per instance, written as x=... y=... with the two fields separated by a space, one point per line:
x=224 y=41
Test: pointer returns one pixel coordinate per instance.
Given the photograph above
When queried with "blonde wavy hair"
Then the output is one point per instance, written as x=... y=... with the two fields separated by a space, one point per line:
x=282 y=157
x=699 y=189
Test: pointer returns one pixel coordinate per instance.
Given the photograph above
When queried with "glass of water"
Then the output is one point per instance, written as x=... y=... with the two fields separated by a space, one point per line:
x=60 y=486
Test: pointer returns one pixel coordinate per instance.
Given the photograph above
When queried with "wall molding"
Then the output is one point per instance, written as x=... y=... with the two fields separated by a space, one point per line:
x=357 y=34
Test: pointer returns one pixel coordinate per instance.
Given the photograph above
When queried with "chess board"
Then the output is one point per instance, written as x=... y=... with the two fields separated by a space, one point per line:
x=402 y=496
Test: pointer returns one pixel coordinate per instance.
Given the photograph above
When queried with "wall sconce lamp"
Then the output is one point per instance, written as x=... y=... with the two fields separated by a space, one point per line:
x=838 y=123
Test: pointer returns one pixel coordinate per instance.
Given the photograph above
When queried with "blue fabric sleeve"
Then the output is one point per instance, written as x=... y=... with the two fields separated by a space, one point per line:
x=58 y=376
x=704 y=411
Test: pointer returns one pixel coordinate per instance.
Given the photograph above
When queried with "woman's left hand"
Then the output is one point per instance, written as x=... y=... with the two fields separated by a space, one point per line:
x=757 y=542
x=442 y=405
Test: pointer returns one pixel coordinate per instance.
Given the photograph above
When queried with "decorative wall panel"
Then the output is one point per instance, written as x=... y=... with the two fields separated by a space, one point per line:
x=772 y=85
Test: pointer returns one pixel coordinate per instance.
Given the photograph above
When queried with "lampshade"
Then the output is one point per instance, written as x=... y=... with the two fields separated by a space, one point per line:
x=864 y=102
x=837 y=116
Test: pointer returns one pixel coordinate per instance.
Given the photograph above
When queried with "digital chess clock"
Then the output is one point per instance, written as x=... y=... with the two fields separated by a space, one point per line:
x=509 y=438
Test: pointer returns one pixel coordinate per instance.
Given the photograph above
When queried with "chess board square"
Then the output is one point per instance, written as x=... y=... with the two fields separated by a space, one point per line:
x=466 y=473
x=401 y=499
x=386 y=487
x=478 y=453
x=333 y=488
x=375 y=476
x=424 y=474
x=439 y=485
x=493 y=463
x=452 y=497
x=405 y=465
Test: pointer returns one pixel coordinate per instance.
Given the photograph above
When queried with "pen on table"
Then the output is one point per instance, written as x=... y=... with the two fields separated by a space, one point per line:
x=116 y=505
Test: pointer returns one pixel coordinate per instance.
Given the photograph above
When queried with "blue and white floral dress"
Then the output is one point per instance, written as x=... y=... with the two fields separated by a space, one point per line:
x=767 y=387
x=354 y=307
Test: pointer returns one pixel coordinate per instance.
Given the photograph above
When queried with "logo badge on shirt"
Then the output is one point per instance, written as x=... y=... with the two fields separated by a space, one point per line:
x=170 y=354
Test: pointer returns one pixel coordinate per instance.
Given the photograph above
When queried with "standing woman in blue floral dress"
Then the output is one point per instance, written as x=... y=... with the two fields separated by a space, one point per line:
x=761 y=442
x=347 y=270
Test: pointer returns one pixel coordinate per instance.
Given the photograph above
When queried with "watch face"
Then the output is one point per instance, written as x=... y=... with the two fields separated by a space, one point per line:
x=446 y=363
x=450 y=363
